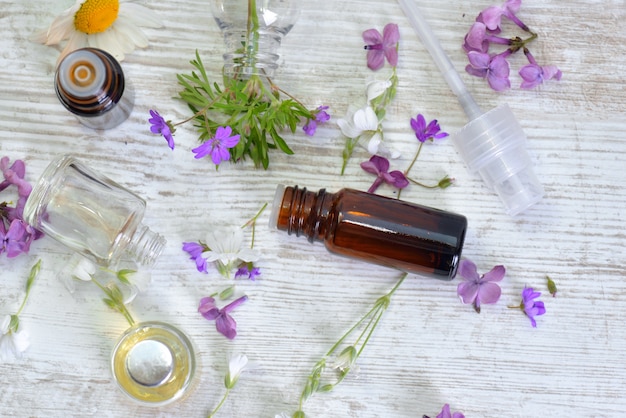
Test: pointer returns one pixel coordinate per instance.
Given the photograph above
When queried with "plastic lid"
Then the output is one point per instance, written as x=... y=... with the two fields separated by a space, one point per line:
x=494 y=146
x=150 y=363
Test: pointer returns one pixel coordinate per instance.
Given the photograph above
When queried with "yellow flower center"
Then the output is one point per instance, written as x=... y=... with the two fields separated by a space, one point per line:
x=95 y=16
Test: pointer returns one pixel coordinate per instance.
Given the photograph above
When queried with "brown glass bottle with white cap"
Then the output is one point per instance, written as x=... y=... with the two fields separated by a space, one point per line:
x=90 y=83
x=377 y=229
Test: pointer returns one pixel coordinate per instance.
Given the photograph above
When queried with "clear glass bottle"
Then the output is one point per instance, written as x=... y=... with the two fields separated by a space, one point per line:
x=374 y=228
x=92 y=215
x=90 y=83
x=253 y=31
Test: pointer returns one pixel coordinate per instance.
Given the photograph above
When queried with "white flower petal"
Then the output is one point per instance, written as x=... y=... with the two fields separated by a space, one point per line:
x=13 y=345
x=248 y=255
x=121 y=38
x=376 y=88
x=4 y=327
x=365 y=119
x=347 y=129
x=140 y=15
x=374 y=143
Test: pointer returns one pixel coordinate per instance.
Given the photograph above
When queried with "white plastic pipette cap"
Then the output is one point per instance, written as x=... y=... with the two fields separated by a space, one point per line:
x=494 y=146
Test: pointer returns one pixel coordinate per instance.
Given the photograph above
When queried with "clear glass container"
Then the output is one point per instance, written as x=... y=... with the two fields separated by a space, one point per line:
x=253 y=31
x=154 y=363
x=91 y=214
x=90 y=84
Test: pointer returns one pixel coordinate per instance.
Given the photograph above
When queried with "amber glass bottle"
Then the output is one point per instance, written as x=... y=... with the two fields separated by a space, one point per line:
x=90 y=83
x=374 y=228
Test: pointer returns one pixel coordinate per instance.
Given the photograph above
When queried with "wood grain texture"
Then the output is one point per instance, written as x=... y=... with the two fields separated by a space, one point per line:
x=430 y=349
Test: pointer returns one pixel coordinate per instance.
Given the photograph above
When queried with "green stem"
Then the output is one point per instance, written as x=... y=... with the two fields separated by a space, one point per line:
x=119 y=305
x=252 y=223
x=34 y=271
x=217 y=408
x=252 y=31
x=436 y=186
x=406 y=172
x=205 y=108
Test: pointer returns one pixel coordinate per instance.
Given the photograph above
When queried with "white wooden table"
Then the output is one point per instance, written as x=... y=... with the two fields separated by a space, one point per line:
x=429 y=349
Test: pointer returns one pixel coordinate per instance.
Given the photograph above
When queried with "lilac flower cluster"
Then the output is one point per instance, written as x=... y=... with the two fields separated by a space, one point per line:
x=15 y=234
x=495 y=67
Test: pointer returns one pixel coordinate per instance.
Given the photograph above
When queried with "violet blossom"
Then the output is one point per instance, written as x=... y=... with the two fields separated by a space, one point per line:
x=249 y=273
x=16 y=240
x=445 y=413
x=495 y=68
x=195 y=250
x=476 y=289
x=218 y=146
x=531 y=307
x=492 y=16
x=424 y=132
x=379 y=166
x=477 y=39
x=534 y=74
x=158 y=125
x=224 y=323
x=382 y=46
x=321 y=116
x=14 y=175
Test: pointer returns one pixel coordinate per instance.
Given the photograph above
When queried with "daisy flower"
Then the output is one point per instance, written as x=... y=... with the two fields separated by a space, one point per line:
x=110 y=25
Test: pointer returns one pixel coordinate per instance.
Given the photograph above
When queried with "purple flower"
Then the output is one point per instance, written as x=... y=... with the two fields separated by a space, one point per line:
x=495 y=68
x=245 y=272
x=14 y=175
x=158 y=125
x=195 y=251
x=477 y=289
x=17 y=239
x=477 y=39
x=531 y=307
x=534 y=74
x=445 y=413
x=382 y=46
x=379 y=166
x=218 y=146
x=224 y=323
x=425 y=132
x=492 y=16
x=321 y=116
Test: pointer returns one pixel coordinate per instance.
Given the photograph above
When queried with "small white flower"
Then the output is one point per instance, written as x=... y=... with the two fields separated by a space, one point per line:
x=226 y=247
x=236 y=364
x=12 y=343
x=376 y=146
x=83 y=269
x=375 y=88
x=362 y=121
x=111 y=25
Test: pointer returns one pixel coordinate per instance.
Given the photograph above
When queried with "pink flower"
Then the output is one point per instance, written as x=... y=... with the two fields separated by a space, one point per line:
x=224 y=323
x=382 y=46
x=492 y=16
x=534 y=74
x=495 y=68
x=445 y=413
x=478 y=289
x=379 y=166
